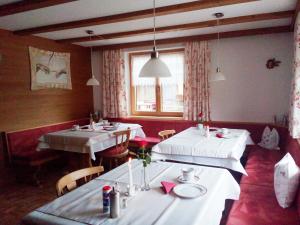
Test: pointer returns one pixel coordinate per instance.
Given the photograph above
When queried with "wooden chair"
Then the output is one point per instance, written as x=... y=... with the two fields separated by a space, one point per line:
x=70 y=181
x=119 y=151
x=165 y=134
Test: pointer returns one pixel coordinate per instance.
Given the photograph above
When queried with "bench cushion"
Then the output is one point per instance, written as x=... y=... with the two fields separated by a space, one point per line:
x=260 y=166
x=258 y=205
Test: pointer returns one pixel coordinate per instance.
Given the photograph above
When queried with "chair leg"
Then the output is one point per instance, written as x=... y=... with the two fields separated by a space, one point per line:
x=36 y=176
x=110 y=164
x=116 y=162
x=100 y=162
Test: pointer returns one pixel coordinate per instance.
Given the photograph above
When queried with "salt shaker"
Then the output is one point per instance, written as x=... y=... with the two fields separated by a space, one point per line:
x=114 y=197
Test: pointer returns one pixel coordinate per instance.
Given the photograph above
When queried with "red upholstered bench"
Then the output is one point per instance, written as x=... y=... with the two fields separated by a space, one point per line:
x=20 y=146
x=151 y=128
x=258 y=204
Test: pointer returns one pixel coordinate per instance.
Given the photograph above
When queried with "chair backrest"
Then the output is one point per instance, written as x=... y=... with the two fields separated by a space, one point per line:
x=164 y=134
x=122 y=139
x=70 y=181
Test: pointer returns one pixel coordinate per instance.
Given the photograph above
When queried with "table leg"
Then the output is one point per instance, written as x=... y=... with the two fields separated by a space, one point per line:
x=78 y=161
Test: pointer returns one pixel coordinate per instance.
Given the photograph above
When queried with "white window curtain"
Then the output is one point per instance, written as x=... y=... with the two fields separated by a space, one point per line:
x=113 y=84
x=171 y=87
x=196 y=87
x=294 y=119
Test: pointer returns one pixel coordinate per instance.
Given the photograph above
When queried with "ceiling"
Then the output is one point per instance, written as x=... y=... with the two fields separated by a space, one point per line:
x=86 y=9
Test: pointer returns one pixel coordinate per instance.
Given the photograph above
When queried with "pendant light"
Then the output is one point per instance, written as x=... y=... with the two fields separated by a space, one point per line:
x=92 y=81
x=155 y=67
x=218 y=75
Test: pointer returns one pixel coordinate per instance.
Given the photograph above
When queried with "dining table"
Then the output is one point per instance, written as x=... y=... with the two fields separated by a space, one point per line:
x=84 y=204
x=85 y=139
x=214 y=149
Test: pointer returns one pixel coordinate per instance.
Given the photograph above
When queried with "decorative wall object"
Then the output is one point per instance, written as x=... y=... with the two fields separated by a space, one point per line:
x=271 y=63
x=49 y=69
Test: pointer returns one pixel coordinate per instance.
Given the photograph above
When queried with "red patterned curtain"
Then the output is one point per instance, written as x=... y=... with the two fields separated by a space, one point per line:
x=196 y=87
x=294 y=119
x=113 y=84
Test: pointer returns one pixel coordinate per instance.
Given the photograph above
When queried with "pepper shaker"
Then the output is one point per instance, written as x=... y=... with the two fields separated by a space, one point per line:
x=114 y=197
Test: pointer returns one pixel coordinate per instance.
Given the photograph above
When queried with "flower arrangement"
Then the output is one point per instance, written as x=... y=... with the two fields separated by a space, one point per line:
x=200 y=117
x=143 y=154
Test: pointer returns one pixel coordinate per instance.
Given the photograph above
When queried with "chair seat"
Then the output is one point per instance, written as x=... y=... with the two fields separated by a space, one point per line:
x=258 y=205
x=112 y=152
x=146 y=140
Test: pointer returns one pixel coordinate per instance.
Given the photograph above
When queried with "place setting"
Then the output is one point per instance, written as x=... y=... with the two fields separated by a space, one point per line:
x=188 y=186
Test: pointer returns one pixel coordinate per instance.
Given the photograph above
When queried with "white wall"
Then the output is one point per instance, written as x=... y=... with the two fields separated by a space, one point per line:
x=251 y=93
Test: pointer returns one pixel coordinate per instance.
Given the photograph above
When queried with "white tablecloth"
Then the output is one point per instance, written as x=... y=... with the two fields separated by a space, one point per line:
x=191 y=146
x=86 y=141
x=84 y=205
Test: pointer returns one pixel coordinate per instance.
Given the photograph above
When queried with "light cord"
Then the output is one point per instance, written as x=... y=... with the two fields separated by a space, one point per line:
x=91 y=56
x=218 y=45
x=154 y=24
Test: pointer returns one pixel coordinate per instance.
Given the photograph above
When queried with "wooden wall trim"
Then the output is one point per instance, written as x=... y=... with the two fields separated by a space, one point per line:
x=180 y=27
x=160 y=11
x=45 y=125
x=230 y=34
x=25 y=5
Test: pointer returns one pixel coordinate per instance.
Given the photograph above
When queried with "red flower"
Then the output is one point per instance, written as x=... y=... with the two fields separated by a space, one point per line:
x=143 y=144
x=200 y=114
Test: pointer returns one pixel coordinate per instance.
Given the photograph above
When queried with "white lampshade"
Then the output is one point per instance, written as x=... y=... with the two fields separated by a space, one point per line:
x=155 y=67
x=92 y=82
x=218 y=76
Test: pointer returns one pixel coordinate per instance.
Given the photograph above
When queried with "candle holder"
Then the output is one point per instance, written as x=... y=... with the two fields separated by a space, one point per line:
x=131 y=190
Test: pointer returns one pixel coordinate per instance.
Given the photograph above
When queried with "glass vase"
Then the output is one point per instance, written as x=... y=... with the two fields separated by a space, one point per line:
x=145 y=179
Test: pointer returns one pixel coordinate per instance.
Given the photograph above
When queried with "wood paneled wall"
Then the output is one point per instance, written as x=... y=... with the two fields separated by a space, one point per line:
x=21 y=108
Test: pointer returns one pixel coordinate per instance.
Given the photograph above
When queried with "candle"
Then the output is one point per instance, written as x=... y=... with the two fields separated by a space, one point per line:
x=207 y=131
x=130 y=177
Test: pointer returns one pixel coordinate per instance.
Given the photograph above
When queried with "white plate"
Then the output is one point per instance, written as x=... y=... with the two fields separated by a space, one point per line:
x=180 y=179
x=189 y=190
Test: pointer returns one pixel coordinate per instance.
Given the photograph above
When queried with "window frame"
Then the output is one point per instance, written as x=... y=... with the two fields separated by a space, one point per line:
x=158 y=111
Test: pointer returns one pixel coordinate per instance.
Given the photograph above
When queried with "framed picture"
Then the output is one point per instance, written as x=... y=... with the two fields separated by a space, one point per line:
x=49 y=69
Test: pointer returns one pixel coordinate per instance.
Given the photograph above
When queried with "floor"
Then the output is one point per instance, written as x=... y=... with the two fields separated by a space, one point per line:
x=16 y=200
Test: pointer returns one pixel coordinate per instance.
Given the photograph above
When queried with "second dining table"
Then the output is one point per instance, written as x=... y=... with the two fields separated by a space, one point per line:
x=87 y=141
x=193 y=146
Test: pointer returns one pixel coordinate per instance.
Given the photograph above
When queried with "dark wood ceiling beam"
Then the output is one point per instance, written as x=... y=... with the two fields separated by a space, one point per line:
x=160 y=11
x=230 y=34
x=27 y=5
x=197 y=25
x=296 y=12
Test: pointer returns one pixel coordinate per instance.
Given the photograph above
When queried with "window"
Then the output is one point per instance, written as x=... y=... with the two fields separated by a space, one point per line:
x=157 y=97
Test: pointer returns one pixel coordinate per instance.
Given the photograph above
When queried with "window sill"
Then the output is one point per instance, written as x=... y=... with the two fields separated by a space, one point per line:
x=156 y=117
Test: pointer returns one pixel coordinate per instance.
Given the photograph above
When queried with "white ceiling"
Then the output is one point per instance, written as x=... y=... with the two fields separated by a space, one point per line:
x=84 y=9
